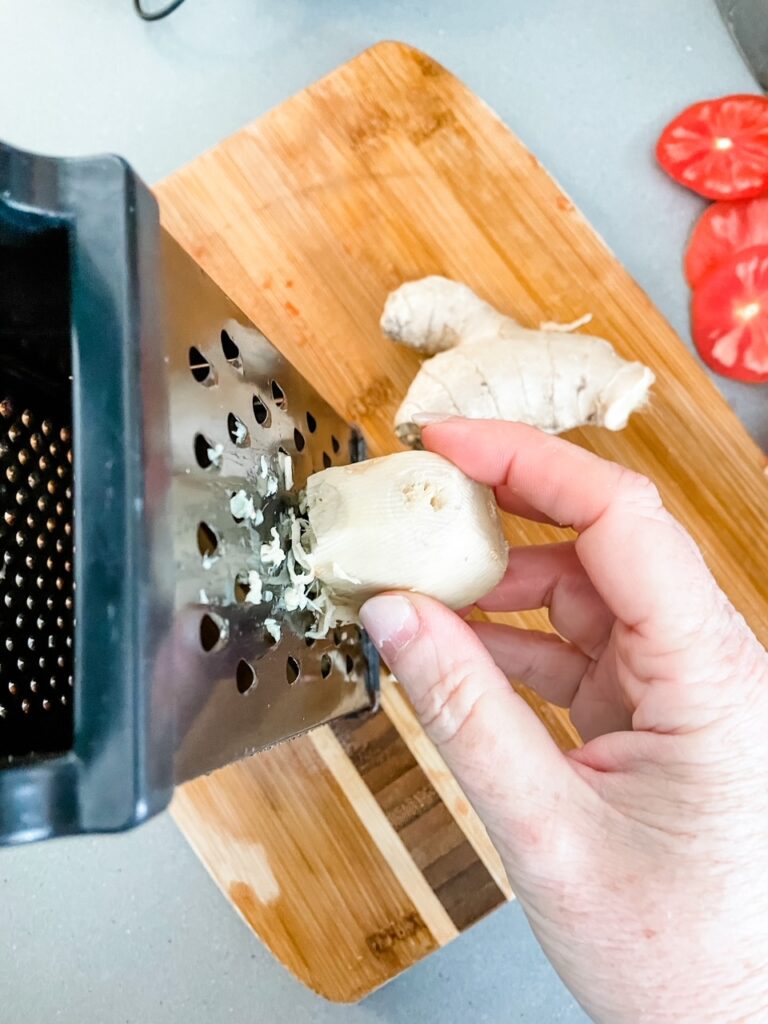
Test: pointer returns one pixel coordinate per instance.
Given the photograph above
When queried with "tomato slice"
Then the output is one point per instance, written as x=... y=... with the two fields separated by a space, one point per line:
x=719 y=148
x=729 y=316
x=723 y=229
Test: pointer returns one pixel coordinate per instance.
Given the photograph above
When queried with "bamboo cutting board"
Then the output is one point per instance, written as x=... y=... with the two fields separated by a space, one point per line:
x=351 y=852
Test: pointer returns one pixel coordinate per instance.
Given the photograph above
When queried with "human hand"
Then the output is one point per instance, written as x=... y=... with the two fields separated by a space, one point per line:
x=640 y=859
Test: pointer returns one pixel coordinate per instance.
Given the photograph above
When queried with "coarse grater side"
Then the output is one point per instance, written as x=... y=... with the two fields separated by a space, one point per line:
x=150 y=438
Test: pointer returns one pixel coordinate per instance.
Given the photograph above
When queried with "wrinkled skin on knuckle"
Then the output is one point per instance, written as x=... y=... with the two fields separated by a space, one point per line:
x=642 y=494
x=739 y=664
x=716 y=674
x=446 y=706
x=742 y=691
x=639 y=491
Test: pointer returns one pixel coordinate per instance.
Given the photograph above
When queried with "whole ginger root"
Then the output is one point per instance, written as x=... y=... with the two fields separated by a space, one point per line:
x=484 y=365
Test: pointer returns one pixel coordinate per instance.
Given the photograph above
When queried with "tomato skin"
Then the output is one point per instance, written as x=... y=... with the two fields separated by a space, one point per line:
x=719 y=147
x=722 y=230
x=729 y=316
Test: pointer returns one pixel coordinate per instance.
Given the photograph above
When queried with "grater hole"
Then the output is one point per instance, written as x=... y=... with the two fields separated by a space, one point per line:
x=269 y=639
x=326 y=666
x=200 y=368
x=260 y=412
x=213 y=632
x=327 y=460
x=231 y=351
x=245 y=677
x=335 y=444
x=350 y=664
x=205 y=453
x=279 y=395
x=237 y=430
x=337 y=636
x=311 y=423
x=299 y=440
x=242 y=588
x=207 y=541
x=292 y=670
x=309 y=641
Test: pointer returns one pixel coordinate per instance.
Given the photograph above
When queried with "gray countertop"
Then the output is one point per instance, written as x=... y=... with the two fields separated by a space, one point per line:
x=129 y=929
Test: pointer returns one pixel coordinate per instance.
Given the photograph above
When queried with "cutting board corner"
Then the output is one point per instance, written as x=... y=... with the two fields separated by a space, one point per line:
x=390 y=51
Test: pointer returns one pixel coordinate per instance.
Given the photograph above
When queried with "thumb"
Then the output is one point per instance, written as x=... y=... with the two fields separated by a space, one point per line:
x=502 y=756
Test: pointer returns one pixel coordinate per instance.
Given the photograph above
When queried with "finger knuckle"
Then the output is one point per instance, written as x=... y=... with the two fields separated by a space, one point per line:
x=449 y=703
x=639 y=490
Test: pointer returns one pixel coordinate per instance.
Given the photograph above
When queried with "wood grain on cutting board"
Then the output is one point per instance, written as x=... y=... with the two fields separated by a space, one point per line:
x=352 y=853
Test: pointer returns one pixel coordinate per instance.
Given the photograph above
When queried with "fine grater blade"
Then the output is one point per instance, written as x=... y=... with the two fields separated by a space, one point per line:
x=36 y=584
x=240 y=417
x=36 y=520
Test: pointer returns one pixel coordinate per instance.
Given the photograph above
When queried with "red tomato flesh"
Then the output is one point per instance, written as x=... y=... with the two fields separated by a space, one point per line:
x=729 y=316
x=719 y=148
x=722 y=230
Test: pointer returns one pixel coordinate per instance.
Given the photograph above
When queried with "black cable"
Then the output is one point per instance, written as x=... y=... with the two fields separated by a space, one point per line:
x=156 y=15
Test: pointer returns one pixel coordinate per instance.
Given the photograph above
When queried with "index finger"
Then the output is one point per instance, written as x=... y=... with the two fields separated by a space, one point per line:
x=643 y=564
x=556 y=479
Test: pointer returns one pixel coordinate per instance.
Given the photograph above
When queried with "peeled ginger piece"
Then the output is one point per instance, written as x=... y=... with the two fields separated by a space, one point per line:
x=410 y=521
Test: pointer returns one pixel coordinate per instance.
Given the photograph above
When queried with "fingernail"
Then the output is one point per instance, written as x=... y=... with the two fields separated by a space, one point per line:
x=426 y=419
x=391 y=622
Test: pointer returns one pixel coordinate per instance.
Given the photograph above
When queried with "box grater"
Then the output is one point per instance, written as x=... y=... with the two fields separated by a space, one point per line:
x=150 y=440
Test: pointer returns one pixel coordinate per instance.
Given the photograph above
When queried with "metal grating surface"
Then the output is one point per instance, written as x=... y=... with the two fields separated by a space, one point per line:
x=36 y=580
x=244 y=673
x=238 y=408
